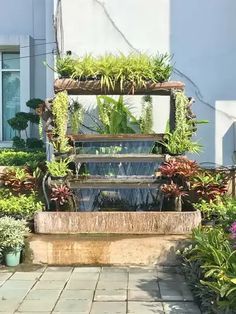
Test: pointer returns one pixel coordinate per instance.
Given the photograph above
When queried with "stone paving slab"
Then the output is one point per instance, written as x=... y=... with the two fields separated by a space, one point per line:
x=77 y=294
x=110 y=295
x=37 y=305
x=95 y=290
x=65 y=305
x=108 y=308
x=145 y=308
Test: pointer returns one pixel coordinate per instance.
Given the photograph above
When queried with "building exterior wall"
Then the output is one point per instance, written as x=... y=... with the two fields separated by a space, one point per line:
x=23 y=24
x=199 y=34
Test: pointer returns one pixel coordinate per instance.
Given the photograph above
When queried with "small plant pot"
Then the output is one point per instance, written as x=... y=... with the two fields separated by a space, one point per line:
x=12 y=258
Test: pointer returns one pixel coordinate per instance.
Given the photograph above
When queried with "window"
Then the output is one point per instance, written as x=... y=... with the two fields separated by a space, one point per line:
x=9 y=91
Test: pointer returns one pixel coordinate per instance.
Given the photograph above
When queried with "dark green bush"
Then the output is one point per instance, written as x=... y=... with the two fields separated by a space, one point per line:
x=34 y=143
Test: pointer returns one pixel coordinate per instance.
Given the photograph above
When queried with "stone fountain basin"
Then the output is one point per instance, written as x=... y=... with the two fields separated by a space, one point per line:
x=160 y=223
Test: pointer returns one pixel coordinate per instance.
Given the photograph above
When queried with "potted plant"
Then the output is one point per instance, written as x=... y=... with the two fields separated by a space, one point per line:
x=12 y=235
x=58 y=169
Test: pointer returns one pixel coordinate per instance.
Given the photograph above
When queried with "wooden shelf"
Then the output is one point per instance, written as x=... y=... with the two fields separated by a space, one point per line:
x=75 y=87
x=116 y=137
x=118 y=158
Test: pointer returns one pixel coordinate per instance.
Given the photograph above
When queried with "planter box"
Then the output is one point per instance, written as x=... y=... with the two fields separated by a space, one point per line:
x=116 y=222
x=75 y=87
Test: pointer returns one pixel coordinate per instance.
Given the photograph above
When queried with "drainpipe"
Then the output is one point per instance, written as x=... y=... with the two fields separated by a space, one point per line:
x=50 y=47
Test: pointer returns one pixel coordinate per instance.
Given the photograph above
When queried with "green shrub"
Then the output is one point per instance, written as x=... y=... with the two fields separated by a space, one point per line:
x=58 y=168
x=9 y=157
x=211 y=261
x=21 y=206
x=12 y=233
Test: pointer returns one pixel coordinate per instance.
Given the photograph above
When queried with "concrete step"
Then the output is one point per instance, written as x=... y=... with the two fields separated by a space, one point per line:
x=105 y=249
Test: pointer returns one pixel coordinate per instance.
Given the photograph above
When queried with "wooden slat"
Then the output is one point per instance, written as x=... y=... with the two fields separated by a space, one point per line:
x=74 y=87
x=116 y=137
x=118 y=158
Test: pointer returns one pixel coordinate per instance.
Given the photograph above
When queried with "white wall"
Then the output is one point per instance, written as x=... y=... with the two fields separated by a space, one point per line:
x=200 y=34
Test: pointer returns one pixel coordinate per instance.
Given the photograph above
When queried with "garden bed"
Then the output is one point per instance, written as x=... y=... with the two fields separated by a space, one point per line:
x=117 y=222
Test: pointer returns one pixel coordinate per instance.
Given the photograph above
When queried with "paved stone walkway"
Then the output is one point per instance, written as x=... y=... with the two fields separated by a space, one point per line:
x=95 y=290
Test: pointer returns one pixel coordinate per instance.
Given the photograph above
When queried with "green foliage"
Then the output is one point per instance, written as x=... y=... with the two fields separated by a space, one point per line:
x=12 y=233
x=112 y=70
x=34 y=103
x=146 y=119
x=20 y=206
x=162 y=68
x=215 y=258
x=34 y=143
x=60 y=113
x=65 y=66
x=18 y=143
x=212 y=210
x=19 y=122
x=179 y=141
x=58 y=168
x=76 y=117
x=20 y=158
x=115 y=116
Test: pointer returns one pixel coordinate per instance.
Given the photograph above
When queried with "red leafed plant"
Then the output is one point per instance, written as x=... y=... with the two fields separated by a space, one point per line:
x=19 y=180
x=61 y=194
x=209 y=186
x=173 y=190
x=179 y=166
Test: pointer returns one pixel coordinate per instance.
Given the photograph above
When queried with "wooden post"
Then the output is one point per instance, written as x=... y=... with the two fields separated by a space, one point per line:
x=172 y=121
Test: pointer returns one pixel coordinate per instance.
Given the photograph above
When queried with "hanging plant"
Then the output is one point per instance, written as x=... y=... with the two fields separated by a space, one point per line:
x=146 y=119
x=60 y=116
x=76 y=117
x=179 y=141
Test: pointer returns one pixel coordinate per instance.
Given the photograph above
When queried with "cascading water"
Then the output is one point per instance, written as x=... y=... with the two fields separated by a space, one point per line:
x=120 y=186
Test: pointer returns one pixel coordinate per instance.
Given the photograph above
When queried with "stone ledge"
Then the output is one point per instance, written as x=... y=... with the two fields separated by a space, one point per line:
x=105 y=249
x=117 y=222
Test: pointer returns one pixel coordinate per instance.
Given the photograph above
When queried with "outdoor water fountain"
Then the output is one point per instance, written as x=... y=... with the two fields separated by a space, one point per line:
x=114 y=181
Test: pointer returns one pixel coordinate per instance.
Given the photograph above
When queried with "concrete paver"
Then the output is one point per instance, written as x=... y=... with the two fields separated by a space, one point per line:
x=108 y=308
x=145 y=308
x=77 y=294
x=50 y=284
x=110 y=295
x=95 y=290
x=65 y=305
x=37 y=305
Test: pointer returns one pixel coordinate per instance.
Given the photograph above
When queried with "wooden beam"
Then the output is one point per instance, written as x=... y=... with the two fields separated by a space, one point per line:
x=75 y=87
x=116 y=137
